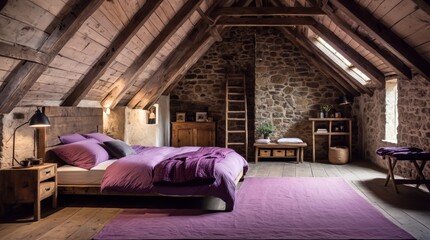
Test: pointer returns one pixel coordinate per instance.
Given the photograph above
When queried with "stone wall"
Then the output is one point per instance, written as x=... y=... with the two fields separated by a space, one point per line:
x=414 y=122
x=203 y=87
x=24 y=146
x=283 y=87
x=289 y=90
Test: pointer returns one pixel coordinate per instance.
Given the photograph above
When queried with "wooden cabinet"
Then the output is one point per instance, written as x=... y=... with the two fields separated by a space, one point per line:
x=332 y=127
x=193 y=134
x=29 y=185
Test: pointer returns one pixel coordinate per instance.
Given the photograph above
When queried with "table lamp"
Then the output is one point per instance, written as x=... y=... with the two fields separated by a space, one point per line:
x=39 y=119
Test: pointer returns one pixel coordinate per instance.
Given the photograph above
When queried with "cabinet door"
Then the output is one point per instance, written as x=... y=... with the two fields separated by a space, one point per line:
x=205 y=137
x=184 y=137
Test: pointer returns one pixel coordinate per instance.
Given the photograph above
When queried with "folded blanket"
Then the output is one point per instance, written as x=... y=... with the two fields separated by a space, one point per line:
x=383 y=151
x=190 y=167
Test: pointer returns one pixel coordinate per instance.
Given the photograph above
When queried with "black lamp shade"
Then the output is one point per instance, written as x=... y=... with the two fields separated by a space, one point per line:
x=39 y=119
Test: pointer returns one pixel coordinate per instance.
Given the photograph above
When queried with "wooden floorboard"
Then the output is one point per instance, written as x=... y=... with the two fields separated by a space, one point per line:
x=81 y=217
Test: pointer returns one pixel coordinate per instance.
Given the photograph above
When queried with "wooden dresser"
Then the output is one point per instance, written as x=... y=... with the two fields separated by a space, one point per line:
x=29 y=185
x=193 y=134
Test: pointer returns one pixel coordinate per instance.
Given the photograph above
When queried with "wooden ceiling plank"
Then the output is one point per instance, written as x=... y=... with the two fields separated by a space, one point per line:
x=110 y=54
x=19 y=83
x=384 y=35
x=129 y=77
x=359 y=61
x=340 y=83
x=267 y=11
x=396 y=64
x=260 y=22
x=23 y=53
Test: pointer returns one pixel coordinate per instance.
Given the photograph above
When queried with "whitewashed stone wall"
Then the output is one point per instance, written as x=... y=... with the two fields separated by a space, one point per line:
x=24 y=136
x=414 y=122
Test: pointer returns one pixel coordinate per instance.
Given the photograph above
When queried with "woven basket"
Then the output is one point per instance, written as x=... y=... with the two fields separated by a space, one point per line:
x=338 y=155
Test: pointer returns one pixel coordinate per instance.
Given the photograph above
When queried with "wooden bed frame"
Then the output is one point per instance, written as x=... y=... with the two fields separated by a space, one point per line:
x=68 y=120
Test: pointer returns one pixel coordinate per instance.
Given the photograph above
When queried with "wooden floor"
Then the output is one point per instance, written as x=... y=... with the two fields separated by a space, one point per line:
x=81 y=217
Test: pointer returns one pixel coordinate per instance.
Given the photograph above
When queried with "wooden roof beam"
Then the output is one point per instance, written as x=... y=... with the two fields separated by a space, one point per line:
x=348 y=52
x=268 y=11
x=384 y=35
x=23 y=53
x=129 y=77
x=264 y=22
x=19 y=82
x=423 y=5
x=340 y=83
x=392 y=61
x=109 y=55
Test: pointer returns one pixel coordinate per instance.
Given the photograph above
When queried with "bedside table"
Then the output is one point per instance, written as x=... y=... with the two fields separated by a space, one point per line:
x=29 y=185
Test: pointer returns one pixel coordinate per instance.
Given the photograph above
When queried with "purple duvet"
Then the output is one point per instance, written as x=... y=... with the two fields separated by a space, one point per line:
x=135 y=174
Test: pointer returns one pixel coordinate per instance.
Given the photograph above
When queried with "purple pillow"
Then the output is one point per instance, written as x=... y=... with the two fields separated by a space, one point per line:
x=98 y=136
x=85 y=154
x=71 y=138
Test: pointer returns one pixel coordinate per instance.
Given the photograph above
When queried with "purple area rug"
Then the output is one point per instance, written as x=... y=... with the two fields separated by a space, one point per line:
x=293 y=208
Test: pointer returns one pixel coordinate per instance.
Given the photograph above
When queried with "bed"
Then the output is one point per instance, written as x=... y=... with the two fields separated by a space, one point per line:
x=147 y=170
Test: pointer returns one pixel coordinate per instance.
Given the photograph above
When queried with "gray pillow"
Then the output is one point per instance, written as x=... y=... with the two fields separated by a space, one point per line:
x=118 y=148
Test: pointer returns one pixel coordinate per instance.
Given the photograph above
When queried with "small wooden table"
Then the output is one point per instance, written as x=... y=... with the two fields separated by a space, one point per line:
x=276 y=150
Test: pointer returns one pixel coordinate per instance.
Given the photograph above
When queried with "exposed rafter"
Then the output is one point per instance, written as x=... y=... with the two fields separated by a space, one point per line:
x=348 y=52
x=384 y=35
x=267 y=11
x=261 y=22
x=396 y=64
x=109 y=55
x=341 y=83
x=23 y=53
x=129 y=77
x=423 y=5
x=19 y=82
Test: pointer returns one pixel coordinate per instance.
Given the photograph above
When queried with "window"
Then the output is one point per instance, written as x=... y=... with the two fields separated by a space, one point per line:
x=391 y=117
x=341 y=61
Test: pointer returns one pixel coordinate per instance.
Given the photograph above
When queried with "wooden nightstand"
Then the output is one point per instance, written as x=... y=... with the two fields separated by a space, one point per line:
x=29 y=185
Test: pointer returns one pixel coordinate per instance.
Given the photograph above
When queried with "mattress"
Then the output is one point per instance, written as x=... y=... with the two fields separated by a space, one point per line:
x=71 y=175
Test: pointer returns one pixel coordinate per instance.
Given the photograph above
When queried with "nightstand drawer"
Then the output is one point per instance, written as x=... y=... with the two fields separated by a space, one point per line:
x=47 y=173
x=265 y=152
x=46 y=189
x=278 y=153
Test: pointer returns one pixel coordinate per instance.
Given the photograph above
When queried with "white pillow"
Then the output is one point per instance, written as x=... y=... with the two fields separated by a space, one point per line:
x=290 y=140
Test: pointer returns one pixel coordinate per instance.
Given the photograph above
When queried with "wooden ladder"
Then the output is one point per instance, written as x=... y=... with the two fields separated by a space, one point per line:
x=236 y=119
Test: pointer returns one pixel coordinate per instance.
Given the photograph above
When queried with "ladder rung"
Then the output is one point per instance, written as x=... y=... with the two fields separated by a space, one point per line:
x=235 y=87
x=236 y=77
x=236 y=143
x=236 y=111
x=236 y=119
x=236 y=100
x=236 y=131
x=237 y=94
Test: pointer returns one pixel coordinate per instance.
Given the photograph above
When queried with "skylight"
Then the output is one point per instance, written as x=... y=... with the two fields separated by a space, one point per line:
x=341 y=61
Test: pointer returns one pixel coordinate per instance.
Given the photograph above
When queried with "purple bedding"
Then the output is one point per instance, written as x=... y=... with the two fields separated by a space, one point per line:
x=135 y=174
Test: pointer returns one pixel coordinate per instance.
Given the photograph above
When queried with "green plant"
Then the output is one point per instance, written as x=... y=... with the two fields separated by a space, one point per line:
x=325 y=107
x=265 y=129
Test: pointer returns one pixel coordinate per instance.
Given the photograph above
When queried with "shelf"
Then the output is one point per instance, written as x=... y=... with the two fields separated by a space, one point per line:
x=333 y=133
x=329 y=119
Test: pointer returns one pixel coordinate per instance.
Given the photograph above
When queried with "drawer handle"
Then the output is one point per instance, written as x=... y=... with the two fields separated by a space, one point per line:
x=47 y=189
x=47 y=172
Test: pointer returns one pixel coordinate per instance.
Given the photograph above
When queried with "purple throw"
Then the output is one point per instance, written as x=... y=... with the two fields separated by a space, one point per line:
x=384 y=151
x=190 y=166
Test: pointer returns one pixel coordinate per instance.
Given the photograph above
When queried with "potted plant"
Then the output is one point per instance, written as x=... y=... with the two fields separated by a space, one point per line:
x=326 y=109
x=265 y=129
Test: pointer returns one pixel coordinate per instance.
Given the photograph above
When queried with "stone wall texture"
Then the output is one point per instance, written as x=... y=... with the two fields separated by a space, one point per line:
x=414 y=122
x=204 y=86
x=289 y=90
x=283 y=87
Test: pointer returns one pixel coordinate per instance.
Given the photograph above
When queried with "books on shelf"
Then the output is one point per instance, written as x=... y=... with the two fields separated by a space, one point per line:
x=321 y=130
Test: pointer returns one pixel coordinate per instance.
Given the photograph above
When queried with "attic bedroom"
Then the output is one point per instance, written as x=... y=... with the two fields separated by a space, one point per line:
x=231 y=119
